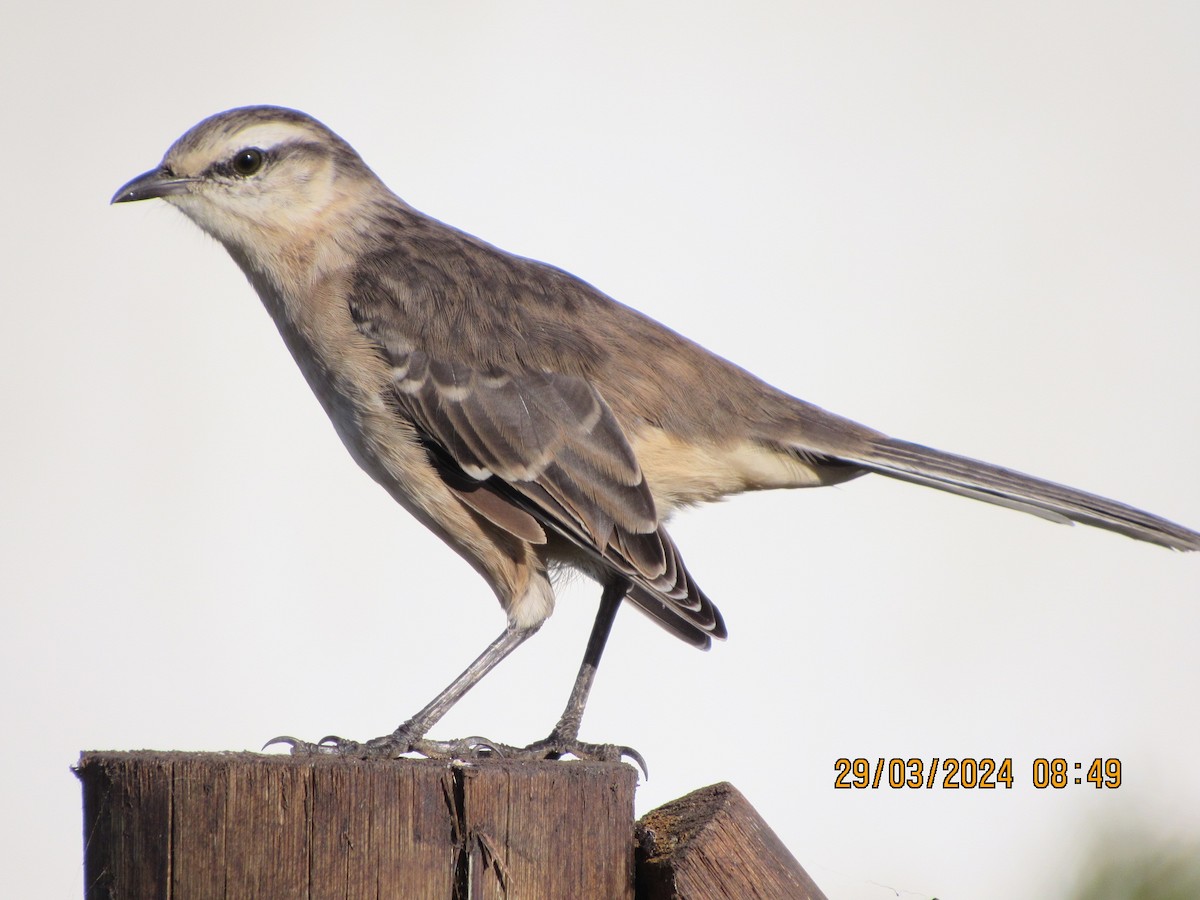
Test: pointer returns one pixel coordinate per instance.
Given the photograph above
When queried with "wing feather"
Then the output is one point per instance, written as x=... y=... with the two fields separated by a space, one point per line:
x=536 y=450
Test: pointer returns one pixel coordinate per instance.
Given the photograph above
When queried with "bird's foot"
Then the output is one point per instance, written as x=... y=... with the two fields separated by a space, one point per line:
x=395 y=745
x=400 y=743
x=388 y=746
x=556 y=746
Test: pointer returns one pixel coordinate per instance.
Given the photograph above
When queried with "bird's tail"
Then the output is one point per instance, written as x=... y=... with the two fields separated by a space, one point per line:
x=1004 y=487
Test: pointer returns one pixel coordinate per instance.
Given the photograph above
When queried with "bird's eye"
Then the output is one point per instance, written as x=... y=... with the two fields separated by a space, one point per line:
x=248 y=161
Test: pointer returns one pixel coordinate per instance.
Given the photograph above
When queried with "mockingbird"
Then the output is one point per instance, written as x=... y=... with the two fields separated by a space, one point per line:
x=527 y=419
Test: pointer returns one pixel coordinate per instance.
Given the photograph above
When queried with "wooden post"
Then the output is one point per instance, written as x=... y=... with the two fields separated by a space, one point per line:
x=712 y=844
x=190 y=826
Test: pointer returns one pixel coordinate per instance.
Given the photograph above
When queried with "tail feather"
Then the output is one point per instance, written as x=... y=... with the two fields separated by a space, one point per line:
x=1004 y=487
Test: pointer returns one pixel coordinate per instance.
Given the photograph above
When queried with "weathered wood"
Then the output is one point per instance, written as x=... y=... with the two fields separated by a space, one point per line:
x=566 y=826
x=713 y=845
x=200 y=825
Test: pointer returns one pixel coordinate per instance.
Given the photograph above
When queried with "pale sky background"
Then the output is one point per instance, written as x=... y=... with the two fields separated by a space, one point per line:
x=972 y=225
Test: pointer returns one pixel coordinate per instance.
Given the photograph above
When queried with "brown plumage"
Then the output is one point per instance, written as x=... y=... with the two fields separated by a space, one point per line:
x=525 y=417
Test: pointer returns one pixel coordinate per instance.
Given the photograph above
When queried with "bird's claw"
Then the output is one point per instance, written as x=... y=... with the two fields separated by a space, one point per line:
x=556 y=747
x=299 y=747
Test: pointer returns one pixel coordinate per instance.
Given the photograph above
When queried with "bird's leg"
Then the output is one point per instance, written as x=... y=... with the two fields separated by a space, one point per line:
x=564 y=737
x=410 y=737
x=568 y=724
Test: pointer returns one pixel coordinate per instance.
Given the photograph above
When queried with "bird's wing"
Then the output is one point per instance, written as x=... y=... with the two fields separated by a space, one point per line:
x=547 y=445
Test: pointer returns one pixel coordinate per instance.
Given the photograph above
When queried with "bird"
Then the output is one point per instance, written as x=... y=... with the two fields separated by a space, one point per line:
x=527 y=419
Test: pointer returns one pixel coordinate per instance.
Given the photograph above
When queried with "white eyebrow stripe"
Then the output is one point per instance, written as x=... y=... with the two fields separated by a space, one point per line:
x=266 y=136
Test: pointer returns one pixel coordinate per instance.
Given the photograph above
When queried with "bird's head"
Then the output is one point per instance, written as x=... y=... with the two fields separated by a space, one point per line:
x=255 y=174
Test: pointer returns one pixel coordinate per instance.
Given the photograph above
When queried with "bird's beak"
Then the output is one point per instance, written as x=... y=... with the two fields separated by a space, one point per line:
x=155 y=183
